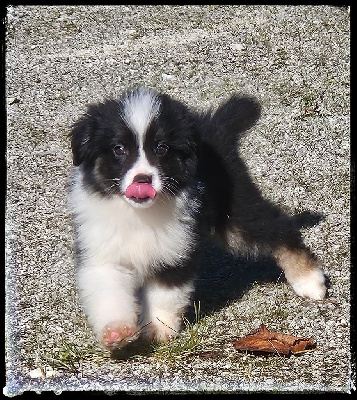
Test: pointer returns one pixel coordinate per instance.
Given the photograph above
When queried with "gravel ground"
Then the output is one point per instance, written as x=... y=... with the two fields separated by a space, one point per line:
x=296 y=60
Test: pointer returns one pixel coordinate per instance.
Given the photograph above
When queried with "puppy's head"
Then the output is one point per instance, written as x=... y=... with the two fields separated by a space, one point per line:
x=139 y=147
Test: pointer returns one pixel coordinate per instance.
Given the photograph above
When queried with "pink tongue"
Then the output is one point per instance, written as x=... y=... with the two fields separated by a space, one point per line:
x=140 y=191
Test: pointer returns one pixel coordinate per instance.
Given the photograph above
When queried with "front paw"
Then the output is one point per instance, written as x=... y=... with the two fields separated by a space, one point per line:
x=160 y=331
x=117 y=334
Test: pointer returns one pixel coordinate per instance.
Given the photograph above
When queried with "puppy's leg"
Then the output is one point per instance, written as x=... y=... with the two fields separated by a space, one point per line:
x=301 y=271
x=108 y=298
x=284 y=243
x=242 y=219
x=165 y=299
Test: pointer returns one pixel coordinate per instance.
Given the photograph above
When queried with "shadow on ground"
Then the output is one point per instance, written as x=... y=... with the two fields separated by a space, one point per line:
x=223 y=278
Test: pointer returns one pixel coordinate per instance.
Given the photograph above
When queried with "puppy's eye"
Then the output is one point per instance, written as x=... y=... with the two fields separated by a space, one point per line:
x=119 y=150
x=161 y=149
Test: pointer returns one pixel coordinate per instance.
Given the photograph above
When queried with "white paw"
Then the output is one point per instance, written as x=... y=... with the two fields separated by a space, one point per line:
x=311 y=285
x=160 y=331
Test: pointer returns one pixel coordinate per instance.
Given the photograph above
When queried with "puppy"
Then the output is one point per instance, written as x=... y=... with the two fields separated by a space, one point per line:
x=151 y=181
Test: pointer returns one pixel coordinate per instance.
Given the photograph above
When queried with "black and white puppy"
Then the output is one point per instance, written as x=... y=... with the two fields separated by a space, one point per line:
x=151 y=181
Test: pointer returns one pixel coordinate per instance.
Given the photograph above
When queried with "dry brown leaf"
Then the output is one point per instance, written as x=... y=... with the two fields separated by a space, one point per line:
x=264 y=340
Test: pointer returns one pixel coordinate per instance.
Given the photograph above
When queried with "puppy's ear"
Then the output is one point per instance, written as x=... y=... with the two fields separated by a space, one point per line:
x=81 y=139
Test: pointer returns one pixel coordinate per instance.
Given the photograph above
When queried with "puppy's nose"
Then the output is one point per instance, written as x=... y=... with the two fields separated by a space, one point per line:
x=143 y=178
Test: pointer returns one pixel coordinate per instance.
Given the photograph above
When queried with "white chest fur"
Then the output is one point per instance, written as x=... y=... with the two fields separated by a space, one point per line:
x=110 y=231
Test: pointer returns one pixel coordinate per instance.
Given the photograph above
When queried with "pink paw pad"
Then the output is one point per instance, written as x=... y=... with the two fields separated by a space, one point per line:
x=117 y=336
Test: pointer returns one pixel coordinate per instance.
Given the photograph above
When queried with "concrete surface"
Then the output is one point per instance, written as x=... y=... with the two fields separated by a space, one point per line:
x=296 y=60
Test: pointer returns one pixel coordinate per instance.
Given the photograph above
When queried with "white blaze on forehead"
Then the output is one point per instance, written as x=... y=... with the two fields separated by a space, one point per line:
x=140 y=107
